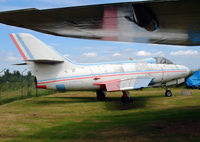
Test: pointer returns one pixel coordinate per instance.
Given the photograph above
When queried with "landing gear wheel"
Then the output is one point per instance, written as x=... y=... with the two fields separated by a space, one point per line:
x=126 y=97
x=98 y=95
x=168 y=93
x=101 y=96
x=123 y=99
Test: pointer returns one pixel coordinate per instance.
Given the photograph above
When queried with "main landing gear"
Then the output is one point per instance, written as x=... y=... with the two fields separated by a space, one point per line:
x=126 y=97
x=168 y=93
x=101 y=95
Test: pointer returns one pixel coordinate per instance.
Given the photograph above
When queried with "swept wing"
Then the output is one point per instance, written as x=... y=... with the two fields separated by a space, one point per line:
x=173 y=22
x=125 y=84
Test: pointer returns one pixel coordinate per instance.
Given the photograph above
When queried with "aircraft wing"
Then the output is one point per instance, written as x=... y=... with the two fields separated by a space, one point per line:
x=126 y=84
x=173 y=22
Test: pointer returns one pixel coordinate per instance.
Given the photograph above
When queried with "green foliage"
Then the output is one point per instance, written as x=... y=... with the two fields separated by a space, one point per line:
x=15 y=86
x=12 y=81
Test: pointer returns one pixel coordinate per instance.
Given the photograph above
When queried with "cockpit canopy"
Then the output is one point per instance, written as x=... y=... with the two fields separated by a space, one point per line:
x=155 y=60
x=161 y=60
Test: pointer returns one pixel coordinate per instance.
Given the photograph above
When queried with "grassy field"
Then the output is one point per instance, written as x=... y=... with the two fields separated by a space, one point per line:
x=77 y=116
x=13 y=91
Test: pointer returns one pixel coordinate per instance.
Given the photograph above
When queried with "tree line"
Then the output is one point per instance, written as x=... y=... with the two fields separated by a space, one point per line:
x=15 y=77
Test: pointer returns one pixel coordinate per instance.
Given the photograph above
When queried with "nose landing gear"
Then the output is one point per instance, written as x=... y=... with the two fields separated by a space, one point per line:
x=168 y=93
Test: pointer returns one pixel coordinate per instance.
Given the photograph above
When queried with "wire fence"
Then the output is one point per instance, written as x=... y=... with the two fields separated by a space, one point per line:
x=10 y=92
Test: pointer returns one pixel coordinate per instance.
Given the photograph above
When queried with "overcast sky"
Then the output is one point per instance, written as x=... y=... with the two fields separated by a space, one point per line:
x=86 y=51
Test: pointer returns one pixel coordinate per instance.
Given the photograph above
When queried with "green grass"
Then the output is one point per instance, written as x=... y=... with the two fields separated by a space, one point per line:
x=8 y=95
x=77 y=116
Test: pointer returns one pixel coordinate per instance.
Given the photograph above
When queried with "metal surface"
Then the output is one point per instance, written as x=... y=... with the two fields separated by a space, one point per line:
x=174 y=22
x=110 y=77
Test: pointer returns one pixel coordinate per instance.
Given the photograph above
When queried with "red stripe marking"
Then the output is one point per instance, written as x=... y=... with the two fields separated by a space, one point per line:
x=102 y=87
x=18 y=47
x=106 y=76
x=110 y=22
x=42 y=86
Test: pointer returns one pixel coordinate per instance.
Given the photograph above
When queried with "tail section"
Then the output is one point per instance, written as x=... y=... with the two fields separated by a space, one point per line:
x=32 y=48
x=43 y=61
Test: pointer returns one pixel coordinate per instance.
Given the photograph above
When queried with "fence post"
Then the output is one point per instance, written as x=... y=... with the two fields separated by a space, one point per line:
x=36 y=89
x=1 y=87
x=22 y=82
x=0 y=95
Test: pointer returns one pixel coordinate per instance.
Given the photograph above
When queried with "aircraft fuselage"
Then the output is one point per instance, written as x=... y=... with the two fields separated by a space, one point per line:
x=87 y=77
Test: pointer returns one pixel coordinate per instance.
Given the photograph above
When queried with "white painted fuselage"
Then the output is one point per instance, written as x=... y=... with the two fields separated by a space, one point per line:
x=84 y=77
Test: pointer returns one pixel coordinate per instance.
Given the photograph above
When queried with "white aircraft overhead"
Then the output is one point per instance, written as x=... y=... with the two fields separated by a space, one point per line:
x=173 y=22
x=54 y=71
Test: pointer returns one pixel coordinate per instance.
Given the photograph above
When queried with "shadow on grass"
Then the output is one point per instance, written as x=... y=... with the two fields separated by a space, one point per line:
x=10 y=100
x=66 y=100
x=19 y=97
x=137 y=102
x=111 y=103
x=177 y=124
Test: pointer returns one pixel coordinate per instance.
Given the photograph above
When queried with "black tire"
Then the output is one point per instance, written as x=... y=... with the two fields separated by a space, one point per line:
x=124 y=99
x=168 y=93
x=98 y=95
x=101 y=96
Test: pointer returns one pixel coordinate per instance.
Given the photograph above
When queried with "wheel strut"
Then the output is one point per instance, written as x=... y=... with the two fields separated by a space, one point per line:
x=125 y=97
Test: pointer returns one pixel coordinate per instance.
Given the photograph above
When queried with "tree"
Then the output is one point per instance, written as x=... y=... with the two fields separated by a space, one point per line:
x=7 y=73
x=29 y=74
x=16 y=77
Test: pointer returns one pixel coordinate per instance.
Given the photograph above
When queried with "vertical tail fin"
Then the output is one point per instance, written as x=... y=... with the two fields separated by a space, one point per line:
x=32 y=48
x=43 y=61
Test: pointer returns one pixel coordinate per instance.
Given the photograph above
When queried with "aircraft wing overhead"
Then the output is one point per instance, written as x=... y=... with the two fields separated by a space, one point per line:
x=173 y=22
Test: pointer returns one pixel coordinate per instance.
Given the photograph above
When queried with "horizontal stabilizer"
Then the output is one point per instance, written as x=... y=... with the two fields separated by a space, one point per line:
x=46 y=61
x=20 y=64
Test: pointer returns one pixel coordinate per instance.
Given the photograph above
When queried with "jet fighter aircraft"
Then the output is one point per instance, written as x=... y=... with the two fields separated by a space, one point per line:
x=54 y=71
